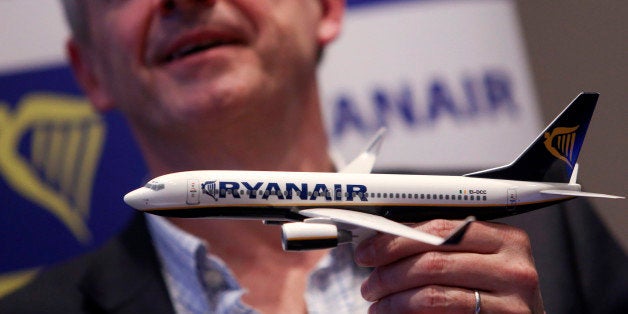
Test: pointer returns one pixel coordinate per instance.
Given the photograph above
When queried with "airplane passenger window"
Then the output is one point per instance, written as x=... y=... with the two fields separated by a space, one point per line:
x=422 y=196
x=484 y=197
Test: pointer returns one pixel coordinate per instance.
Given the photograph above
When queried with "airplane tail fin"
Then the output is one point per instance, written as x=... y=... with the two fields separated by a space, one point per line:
x=553 y=154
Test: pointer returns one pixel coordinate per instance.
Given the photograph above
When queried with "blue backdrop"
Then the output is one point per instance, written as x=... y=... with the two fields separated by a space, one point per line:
x=31 y=235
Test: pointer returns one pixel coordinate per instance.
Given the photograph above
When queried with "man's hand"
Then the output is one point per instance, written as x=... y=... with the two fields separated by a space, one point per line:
x=413 y=277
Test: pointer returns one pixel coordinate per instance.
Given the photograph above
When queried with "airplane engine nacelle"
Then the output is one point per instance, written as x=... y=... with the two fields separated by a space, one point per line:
x=301 y=236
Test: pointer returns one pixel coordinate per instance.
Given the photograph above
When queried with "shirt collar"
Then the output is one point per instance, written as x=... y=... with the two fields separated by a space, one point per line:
x=199 y=282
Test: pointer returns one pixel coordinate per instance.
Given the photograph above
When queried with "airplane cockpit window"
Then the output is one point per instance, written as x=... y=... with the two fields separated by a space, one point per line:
x=155 y=186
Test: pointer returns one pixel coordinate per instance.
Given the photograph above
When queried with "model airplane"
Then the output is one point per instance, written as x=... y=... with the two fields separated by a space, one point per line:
x=321 y=210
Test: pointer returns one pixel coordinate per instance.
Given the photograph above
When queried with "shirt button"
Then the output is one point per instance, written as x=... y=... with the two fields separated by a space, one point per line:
x=213 y=279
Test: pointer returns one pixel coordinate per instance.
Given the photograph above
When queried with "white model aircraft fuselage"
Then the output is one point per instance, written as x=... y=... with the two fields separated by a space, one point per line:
x=273 y=195
x=319 y=210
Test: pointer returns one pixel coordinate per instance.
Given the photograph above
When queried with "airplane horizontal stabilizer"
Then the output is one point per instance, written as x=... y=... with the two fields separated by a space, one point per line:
x=580 y=194
x=381 y=224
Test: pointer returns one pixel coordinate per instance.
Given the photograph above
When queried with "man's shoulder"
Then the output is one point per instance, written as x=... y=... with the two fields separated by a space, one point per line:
x=54 y=289
x=123 y=271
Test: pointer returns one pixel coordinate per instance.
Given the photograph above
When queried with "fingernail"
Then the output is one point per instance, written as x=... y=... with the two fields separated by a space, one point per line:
x=366 y=291
x=373 y=308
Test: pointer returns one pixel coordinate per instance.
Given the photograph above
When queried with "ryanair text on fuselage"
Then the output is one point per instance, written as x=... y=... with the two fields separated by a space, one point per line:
x=288 y=191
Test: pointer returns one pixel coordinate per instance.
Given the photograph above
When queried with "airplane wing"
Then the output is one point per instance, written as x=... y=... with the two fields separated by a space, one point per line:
x=385 y=225
x=580 y=194
x=365 y=161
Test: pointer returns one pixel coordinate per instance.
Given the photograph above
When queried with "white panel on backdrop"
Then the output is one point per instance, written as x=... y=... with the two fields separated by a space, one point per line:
x=32 y=33
x=449 y=78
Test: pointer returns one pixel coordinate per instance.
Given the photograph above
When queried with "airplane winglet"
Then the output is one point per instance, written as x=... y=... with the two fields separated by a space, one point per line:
x=366 y=160
x=456 y=236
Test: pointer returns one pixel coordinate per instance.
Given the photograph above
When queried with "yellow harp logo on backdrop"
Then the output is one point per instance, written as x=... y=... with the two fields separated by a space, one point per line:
x=66 y=139
x=560 y=143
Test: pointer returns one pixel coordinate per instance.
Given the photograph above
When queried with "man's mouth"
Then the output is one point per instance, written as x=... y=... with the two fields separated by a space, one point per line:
x=195 y=48
x=195 y=43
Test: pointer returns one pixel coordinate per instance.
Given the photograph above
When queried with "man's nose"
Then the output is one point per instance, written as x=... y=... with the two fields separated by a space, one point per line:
x=169 y=7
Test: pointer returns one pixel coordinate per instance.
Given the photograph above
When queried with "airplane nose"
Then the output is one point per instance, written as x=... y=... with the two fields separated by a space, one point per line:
x=136 y=199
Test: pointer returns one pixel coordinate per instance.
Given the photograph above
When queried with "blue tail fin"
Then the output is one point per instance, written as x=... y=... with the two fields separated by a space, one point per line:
x=553 y=155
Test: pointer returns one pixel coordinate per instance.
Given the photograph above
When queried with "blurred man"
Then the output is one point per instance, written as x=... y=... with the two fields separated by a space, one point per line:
x=232 y=85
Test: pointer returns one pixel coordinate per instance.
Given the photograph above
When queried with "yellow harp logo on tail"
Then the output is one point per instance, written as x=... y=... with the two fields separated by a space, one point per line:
x=560 y=143
x=65 y=138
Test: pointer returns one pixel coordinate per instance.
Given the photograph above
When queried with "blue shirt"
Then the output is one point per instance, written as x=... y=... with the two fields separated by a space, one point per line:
x=199 y=282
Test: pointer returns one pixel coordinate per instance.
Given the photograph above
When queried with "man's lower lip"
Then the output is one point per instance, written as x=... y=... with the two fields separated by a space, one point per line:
x=199 y=57
x=188 y=56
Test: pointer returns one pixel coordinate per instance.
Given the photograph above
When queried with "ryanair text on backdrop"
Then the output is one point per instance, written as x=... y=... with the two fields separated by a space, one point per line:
x=486 y=94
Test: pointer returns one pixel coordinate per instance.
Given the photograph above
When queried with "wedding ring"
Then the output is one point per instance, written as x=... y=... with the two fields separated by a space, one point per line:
x=478 y=300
